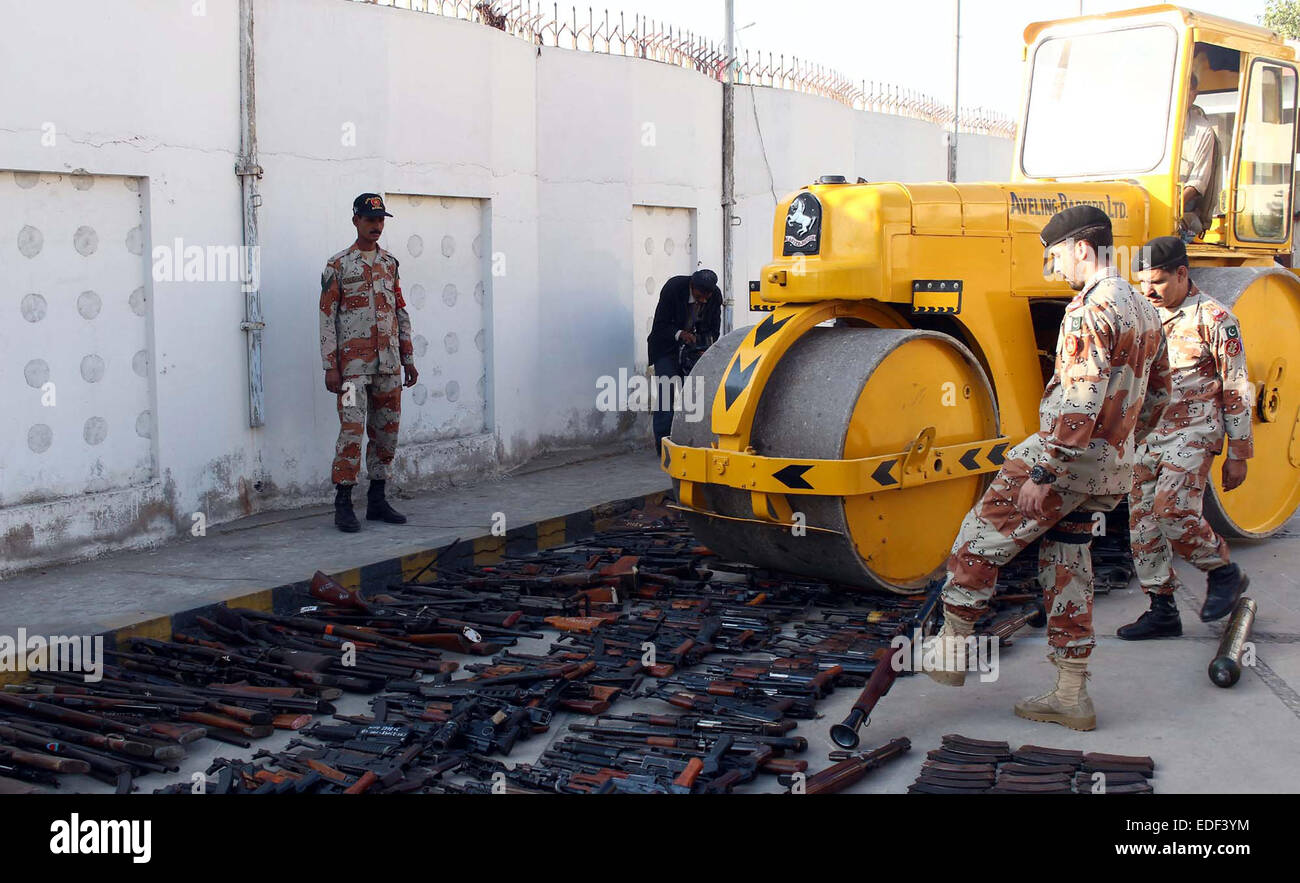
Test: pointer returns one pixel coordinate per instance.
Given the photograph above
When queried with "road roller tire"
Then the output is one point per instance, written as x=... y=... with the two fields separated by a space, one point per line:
x=848 y=393
x=1266 y=300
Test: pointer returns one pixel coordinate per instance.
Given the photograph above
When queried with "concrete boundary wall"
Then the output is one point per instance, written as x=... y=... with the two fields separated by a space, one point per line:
x=557 y=146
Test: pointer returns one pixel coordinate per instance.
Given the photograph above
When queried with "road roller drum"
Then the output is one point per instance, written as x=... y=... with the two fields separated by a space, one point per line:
x=1266 y=301
x=843 y=394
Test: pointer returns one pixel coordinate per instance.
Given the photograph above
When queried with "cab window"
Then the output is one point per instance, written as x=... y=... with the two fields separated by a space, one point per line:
x=1263 y=183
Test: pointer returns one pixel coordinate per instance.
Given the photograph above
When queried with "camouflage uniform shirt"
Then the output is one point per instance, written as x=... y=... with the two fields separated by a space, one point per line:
x=1111 y=378
x=1211 y=392
x=364 y=328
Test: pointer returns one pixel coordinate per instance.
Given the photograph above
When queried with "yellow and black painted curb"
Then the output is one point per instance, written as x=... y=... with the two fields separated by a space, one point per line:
x=470 y=552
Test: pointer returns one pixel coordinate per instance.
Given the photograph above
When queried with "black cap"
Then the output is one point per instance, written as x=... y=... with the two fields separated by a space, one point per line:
x=1163 y=252
x=370 y=205
x=1068 y=222
x=706 y=281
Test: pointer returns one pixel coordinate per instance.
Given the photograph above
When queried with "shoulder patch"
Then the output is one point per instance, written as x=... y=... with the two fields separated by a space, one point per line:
x=1231 y=330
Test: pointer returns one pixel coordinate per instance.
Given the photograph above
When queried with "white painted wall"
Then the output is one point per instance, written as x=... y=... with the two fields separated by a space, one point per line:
x=553 y=148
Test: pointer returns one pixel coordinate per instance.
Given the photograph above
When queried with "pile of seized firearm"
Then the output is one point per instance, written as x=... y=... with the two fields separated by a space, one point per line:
x=738 y=655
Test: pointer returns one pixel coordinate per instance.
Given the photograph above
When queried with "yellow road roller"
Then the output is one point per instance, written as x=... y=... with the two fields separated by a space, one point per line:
x=910 y=328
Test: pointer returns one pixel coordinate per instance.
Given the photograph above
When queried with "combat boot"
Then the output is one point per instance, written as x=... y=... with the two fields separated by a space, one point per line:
x=949 y=648
x=344 y=518
x=1068 y=704
x=377 y=508
x=1223 y=587
x=1161 y=621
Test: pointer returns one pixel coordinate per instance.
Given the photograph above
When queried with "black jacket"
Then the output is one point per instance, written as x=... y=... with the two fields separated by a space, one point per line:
x=671 y=315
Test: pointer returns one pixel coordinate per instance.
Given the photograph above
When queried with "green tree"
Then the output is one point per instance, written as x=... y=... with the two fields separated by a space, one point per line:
x=1283 y=16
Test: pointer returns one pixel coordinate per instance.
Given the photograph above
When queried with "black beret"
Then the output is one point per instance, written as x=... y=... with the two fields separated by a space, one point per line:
x=1161 y=252
x=1066 y=223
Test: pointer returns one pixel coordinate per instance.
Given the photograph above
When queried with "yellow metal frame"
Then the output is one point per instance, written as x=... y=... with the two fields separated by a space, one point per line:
x=920 y=463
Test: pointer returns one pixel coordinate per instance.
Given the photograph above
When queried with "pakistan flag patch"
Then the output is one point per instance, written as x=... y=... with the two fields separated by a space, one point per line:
x=1231 y=330
x=1076 y=323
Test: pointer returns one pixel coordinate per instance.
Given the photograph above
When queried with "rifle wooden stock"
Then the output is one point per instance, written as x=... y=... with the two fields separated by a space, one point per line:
x=363 y=784
x=324 y=588
x=580 y=624
x=290 y=721
x=220 y=722
x=182 y=734
x=780 y=765
x=847 y=772
x=42 y=761
x=326 y=770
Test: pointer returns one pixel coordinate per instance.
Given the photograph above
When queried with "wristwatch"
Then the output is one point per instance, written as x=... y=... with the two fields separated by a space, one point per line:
x=1039 y=475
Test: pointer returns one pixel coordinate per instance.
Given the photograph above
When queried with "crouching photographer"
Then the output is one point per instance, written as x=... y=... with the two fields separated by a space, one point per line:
x=687 y=322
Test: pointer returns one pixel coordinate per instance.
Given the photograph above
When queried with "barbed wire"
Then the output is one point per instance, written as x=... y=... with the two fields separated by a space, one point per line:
x=641 y=37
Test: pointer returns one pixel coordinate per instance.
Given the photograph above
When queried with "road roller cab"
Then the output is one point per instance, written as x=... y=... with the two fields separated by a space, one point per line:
x=910 y=329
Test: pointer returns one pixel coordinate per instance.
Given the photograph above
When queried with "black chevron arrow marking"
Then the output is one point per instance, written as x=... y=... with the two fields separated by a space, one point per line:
x=767 y=328
x=792 y=476
x=968 y=459
x=882 y=473
x=668 y=457
x=737 y=379
x=995 y=455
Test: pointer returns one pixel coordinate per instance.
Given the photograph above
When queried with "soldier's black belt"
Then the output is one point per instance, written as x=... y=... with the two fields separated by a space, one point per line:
x=1075 y=528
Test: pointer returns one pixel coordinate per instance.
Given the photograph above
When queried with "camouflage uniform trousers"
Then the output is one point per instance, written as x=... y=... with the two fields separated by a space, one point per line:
x=1164 y=510
x=995 y=530
x=376 y=407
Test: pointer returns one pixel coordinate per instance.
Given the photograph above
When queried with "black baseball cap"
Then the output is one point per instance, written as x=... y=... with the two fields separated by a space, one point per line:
x=370 y=205
x=1162 y=253
x=1067 y=223
x=706 y=281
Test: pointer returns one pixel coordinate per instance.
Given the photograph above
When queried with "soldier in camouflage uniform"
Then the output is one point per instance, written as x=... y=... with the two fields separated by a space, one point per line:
x=1111 y=378
x=1211 y=398
x=365 y=344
